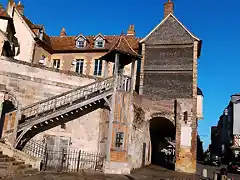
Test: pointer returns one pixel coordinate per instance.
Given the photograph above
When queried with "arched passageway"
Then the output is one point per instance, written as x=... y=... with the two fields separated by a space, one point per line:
x=162 y=132
x=6 y=107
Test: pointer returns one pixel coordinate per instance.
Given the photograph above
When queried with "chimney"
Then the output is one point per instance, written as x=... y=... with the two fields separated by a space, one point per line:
x=131 y=31
x=10 y=7
x=63 y=32
x=168 y=8
x=20 y=7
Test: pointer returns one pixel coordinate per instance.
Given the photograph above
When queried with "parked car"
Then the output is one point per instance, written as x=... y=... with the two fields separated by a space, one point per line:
x=234 y=167
x=213 y=160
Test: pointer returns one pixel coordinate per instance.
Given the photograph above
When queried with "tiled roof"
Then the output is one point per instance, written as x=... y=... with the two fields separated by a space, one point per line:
x=68 y=43
x=29 y=23
x=3 y=13
x=122 y=45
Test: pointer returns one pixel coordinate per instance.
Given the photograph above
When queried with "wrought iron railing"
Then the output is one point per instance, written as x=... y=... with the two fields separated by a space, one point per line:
x=72 y=161
x=35 y=149
x=64 y=160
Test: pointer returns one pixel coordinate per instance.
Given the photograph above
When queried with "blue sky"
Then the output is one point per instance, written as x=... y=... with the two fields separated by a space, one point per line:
x=216 y=22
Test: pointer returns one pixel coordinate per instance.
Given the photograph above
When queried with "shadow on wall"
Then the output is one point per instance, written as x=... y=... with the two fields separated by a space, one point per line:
x=55 y=123
x=162 y=129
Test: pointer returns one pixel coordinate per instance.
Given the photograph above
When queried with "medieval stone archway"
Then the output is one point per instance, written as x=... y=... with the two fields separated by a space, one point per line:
x=162 y=134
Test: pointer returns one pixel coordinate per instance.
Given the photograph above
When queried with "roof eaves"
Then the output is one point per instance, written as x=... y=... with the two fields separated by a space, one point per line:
x=25 y=23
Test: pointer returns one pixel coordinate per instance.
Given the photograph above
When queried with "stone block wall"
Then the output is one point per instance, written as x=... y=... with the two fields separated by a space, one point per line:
x=82 y=133
x=140 y=146
x=32 y=84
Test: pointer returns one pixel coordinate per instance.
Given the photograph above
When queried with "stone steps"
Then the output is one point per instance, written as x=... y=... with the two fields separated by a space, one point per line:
x=10 y=166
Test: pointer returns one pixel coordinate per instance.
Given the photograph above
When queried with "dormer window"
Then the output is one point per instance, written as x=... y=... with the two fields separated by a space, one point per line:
x=81 y=44
x=99 y=41
x=80 y=41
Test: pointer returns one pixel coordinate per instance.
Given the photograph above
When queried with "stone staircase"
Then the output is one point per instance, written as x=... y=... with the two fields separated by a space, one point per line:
x=63 y=106
x=9 y=166
x=46 y=114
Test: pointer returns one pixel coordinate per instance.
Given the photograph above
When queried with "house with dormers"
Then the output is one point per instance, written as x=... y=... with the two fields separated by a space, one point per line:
x=70 y=53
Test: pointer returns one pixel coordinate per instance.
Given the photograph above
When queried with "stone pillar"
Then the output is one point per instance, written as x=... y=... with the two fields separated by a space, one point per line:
x=119 y=121
x=142 y=69
x=186 y=131
x=1 y=106
x=105 y=73
x=111 y=115
x=185 y=142
x=132 y=74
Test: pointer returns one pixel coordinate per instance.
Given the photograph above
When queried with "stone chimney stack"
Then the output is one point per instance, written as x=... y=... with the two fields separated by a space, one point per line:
x=131 y=30
x=63 y=32
x=20 y=7
x=168 y=8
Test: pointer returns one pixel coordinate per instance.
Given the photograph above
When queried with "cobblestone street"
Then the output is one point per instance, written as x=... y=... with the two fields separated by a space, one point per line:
x=148 y=173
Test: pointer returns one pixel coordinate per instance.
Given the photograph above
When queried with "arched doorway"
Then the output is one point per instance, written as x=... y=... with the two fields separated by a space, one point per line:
x=6 y=49
x=162 y=132
x=6 y=107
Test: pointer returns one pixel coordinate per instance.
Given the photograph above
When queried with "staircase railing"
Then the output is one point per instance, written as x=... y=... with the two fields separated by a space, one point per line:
x=66 y=98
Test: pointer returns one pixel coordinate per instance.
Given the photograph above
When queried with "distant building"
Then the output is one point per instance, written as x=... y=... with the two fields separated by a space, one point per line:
x=226 y=135
x=214 y=147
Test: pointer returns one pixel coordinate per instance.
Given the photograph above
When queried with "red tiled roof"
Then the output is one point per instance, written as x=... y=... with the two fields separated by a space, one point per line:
x=122 y=45
x=3 y=13
x=68 y=43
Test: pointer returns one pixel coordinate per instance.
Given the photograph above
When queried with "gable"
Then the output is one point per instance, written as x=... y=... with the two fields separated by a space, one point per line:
x=99 y=37
x=170 y=31
x=80 y=37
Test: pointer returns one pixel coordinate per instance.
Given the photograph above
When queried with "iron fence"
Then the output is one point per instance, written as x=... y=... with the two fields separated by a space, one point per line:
x=64 y=160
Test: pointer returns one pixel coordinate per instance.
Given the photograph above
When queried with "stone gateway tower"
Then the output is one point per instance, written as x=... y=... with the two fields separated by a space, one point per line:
x=169 y=74
x=99 y=99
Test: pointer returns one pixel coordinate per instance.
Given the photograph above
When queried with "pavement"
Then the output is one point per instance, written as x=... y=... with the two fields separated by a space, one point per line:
x=147 y=173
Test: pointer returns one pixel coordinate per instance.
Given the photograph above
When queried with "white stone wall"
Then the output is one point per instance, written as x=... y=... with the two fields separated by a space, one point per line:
x=30 y=84
x=199 y=107
x=3 y=24
x=138 y=137
x=25 y=38
x=83 y=132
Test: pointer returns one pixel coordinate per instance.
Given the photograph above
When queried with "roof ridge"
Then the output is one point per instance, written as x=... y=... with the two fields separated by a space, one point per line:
x=120 y=40
x=114 y=45
x=130 y=45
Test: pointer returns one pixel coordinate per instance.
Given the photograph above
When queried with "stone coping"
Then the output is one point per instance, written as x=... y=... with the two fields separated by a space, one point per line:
x=20 y=156
x=70 y=73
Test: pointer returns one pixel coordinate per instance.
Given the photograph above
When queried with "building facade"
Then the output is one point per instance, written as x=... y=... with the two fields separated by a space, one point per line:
x=226 y=140
x=163 y=91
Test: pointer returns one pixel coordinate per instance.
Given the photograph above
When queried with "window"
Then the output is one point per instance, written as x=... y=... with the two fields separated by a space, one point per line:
x=113 y=69
x=119 y=139
x=42 y=60
x=185 y=118
x=99 y=42
x=81 y=43
x=79 y=66
x=98 y=67
x=56 y=63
